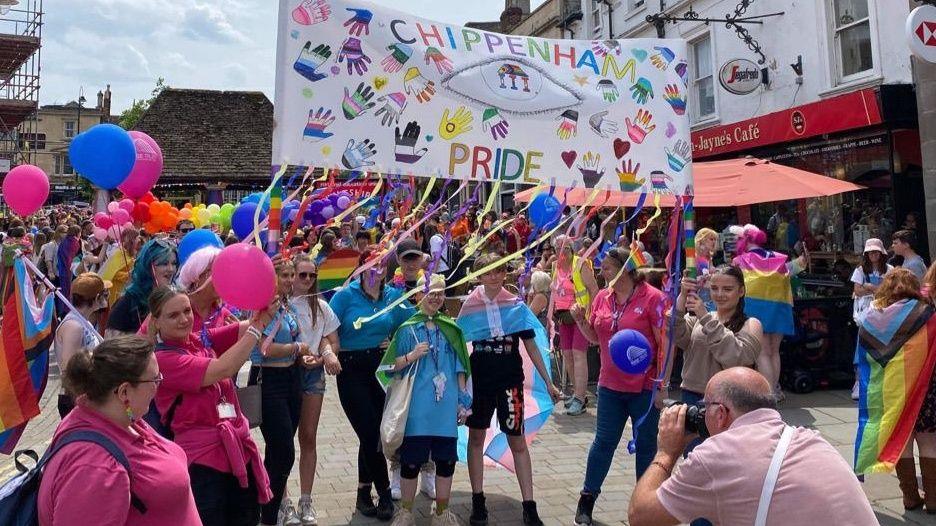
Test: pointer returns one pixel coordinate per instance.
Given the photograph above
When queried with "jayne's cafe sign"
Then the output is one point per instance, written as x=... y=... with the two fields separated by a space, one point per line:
x=740 y=76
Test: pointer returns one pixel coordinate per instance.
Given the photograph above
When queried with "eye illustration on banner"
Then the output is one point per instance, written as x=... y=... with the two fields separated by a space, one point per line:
x=609 y=90
x=457 y=124
x=359 y=22
x=602 y=48
x=311 y=12
x=493 y=122
x=640 y=127
x=357 y=60
x=399 y=54
x=658 y=182
x=310 y=60
x=642 y=91
x=393 y=106
x=315 y=127
x=416 y=84
x=512 y=85
x=355 y=104
x=568 y=125
x=591 y=169
x=600 y=124
x=406 y=151
x=442 y=63
x=675 y=99
x=662 y=58
x=679 y=156
x=627 y=176
x=356 y=155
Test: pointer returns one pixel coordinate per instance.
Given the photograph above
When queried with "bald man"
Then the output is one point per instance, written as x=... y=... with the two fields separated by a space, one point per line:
x=723 y=479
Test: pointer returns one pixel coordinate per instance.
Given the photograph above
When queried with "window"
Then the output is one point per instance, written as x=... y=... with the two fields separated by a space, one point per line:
x=634 y=4
x=596 y=17
x=852 y=37
x=702 y=83
x=32 y=141
x=69 y=129
x=63 y=165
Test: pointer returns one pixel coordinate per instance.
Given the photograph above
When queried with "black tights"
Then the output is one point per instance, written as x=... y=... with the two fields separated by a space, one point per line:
x=362 y=399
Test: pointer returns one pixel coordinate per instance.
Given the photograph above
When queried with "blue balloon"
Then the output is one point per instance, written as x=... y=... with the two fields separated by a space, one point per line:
x=242 y=221
x=630 y=351
x=544 y=210
x=255 y=198
x=104 y=154
x=195 y=240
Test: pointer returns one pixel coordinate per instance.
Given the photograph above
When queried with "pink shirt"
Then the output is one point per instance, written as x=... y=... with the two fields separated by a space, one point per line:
x=722 y=478
x=84 y=484
x=564 y=291
x=642 y=312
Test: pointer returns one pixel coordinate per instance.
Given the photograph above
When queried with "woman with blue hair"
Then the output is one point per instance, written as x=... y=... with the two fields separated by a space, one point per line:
x=155 y=266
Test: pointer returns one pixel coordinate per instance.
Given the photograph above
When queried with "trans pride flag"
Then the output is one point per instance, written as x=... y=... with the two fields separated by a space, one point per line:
x=896 y=357
x=25 y=338
x=481 y=319
x=767 y=292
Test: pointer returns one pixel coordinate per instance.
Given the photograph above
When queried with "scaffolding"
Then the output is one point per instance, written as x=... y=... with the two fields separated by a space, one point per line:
x=20 y=59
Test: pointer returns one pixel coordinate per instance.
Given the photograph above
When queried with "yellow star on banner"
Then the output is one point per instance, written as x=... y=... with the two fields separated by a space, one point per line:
x=582 y=81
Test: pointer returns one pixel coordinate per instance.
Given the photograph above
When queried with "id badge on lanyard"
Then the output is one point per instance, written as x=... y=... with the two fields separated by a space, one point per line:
x=226 y=410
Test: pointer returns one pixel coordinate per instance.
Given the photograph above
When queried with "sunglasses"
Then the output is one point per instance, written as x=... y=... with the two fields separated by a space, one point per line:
x=307 y=275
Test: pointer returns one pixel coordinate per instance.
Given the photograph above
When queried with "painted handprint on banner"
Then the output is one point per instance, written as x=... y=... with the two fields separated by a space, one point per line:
x=442 y=63
x=399 y=54
x=679 y=156
x=315 y=128
x=493 y=122
x=568 y=125
x=311 y=12
x=457 y=124
x=419 y=86
x=356 y=155
x=406 y=151
x=357 y=60
x=682 y=69
x=640 y=127
x=662 y=58
x=658 y=181
x=600 y=124
x=675 y=99
x=642 y=91
x=310 y=60
x=355 y=104
x=609 y=91
x=359 y=21
x=591 y=169
x=627 y=176
x=602 y=48
x=393 y=106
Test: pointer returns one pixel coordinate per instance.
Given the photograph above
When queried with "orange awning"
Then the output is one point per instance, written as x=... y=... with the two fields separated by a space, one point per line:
x=736 y=182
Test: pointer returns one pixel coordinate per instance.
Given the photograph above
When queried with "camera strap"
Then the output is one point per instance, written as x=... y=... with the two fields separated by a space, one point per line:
x=773 y=472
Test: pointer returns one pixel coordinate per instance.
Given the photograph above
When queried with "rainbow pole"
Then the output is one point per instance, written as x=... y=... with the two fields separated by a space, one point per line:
x=276 y=209
x=689 y=230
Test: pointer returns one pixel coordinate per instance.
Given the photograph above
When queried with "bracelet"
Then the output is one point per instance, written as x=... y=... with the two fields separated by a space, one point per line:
x=669 y=471
x=326 y=353
x=254 y=332
x=406 y=358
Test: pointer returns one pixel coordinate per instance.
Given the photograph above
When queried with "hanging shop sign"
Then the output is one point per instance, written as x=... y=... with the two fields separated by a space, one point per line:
x=921 y=32
x=740 y=76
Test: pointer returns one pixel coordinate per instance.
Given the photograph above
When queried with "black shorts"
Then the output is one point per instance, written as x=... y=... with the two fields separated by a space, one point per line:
x=509 y=406
x=417 y=450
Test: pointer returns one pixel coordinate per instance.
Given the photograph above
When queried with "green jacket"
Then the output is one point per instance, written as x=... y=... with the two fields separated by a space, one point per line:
x=451 y=331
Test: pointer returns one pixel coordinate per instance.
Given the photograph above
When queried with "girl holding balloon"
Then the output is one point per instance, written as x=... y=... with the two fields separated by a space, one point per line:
x=628 y=302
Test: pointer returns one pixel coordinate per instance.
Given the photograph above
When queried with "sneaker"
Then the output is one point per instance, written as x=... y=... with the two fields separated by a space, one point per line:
x=403 y=517
x=395 y=492
x=385 y=508
x=530 y=515
x=855 y=391
x=479 y=512
x=583 y=512
x=567 y=400
x=447 y=518
x=427 y=480
x=365 y=503
x=576 y=408
x=307 y=513
x=288 y=514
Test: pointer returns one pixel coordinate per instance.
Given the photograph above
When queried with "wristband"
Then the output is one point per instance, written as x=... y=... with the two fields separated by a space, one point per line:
x=255 y=333
x=669 y=471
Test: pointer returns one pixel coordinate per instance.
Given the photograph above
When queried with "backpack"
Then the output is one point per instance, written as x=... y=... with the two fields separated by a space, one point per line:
x=19 y=496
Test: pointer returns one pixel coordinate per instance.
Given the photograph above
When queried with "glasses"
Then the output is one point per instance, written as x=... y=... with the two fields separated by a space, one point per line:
x=706 y=404
x=158 y=380
x=435 y=295
x=307 y=275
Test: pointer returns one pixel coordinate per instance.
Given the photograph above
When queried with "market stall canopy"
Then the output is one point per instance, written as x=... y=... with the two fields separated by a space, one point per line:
x=736 y=182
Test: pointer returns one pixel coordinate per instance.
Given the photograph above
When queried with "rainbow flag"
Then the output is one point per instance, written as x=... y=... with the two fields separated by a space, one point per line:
x=896 y=357
x=25 y=338
x=334 y=271
x=510 y=315
x=637 y=258
x=768 y=294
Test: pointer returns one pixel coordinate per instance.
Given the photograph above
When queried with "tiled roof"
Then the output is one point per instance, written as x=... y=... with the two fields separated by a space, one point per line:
x=211 y=136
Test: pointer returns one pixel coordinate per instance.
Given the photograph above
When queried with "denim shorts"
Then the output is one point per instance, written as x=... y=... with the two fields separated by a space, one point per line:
x=313 y=381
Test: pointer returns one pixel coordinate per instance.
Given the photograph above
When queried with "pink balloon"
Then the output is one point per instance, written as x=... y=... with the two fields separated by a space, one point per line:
x=25 y=189
x=102 y=220
x=146 y=169
x=243 y=276
x=113 y=206
x=120 y=216
x=100 y=234
x=115 y=231
x=127 y=204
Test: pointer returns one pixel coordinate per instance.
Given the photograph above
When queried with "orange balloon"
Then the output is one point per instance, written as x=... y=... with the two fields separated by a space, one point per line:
x=151 y=228
x=188 y=206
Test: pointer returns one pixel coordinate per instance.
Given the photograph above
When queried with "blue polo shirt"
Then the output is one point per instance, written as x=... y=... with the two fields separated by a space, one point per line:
x=351 y=303
x=287 y=331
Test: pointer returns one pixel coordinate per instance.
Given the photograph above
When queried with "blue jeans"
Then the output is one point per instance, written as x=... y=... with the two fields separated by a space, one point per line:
x=614 y=408
x=691 y=397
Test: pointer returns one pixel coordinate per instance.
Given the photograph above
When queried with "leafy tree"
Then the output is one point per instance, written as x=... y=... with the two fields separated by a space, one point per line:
x=132 y=115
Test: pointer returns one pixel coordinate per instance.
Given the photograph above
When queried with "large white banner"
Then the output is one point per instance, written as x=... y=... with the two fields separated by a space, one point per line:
x=363 y=87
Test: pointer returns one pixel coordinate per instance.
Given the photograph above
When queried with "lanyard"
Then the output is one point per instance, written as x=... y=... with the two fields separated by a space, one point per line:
x=434 y=339
x=615 y=313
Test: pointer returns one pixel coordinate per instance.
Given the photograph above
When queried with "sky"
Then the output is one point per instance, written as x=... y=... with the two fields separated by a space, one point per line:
x=205 y=44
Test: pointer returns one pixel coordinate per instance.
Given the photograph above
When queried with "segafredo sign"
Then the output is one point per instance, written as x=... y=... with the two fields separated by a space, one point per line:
x=740 y=76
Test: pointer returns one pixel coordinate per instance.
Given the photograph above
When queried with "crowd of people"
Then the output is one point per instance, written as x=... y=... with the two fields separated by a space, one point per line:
x=179 y=377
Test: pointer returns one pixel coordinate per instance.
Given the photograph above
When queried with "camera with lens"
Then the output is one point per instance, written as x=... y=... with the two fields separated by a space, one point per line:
x=695 y=417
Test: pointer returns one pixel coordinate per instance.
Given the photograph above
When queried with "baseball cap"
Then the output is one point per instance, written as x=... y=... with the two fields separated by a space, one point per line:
x=89 y=285
x=408 y=247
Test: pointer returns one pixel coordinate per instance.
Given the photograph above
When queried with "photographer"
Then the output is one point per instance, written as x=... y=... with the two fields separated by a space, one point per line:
x=725 y=479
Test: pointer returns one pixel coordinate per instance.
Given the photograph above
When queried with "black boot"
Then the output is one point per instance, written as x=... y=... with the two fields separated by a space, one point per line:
x=479 y=513
x=583 y=512
x=365 y=503
x=530 y=515
x=385 y=506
